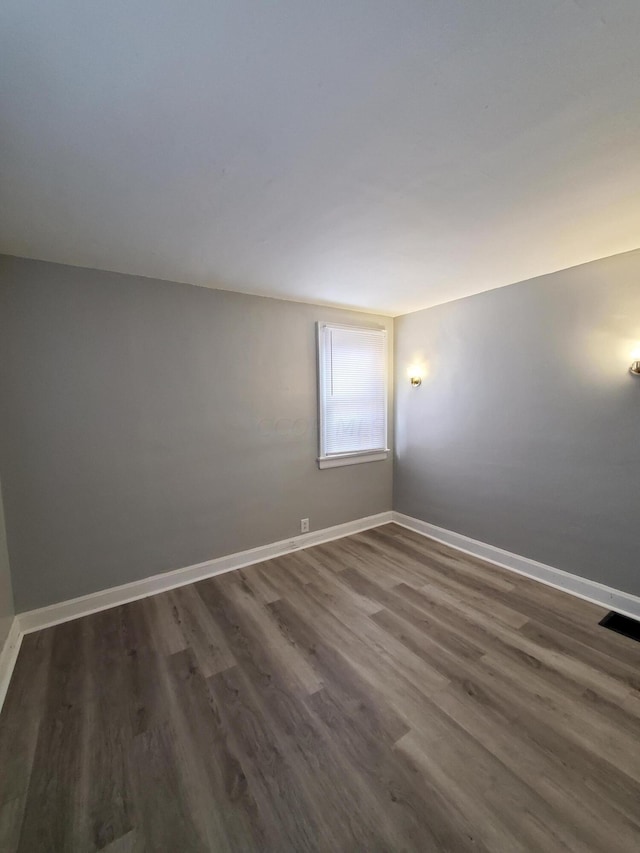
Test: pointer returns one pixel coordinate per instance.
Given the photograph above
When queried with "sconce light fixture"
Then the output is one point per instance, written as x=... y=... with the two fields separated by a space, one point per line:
x=417 y=369
x=635 y=368
x=635 y=361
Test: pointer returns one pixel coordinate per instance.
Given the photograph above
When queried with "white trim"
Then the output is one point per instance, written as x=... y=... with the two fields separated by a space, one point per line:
x=352 y=458
x=9 y=656
x=322 y=329
x=597 y=593
x=64 y=611
x=54 y=614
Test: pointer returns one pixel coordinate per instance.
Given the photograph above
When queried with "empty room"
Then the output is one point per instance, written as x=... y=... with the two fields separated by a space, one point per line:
x=320 y=426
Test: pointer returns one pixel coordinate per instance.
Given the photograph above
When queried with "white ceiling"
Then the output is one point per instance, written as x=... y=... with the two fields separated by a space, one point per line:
x=383 y=154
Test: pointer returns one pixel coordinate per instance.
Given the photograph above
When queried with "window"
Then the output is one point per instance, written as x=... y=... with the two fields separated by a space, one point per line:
x=352 y=378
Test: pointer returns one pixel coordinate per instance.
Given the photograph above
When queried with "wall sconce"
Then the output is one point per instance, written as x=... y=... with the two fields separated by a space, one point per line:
x=635 y=368
x=417 y=369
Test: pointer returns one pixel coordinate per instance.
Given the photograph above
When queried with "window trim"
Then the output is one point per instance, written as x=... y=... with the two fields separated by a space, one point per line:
x=376 y=454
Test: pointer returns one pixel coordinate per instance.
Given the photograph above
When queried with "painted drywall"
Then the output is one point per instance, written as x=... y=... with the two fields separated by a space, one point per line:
x=6 y=593
x=525 y=432
x=152 y=425
x=377 y=154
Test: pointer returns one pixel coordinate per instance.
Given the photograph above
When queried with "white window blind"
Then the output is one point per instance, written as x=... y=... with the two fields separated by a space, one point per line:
x=353 y=391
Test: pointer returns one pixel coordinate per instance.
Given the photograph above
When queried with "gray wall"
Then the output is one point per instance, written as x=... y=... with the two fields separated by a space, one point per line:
x=151 y=425
x=526 y=431
x=6 y=594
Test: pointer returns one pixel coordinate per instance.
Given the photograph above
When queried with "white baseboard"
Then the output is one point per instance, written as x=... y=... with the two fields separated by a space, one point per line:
x=597 y=593
x=9 y=656
x=54 y=614
x=64 y=611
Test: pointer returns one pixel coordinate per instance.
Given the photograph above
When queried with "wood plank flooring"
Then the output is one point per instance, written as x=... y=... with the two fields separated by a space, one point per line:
x=378 y=693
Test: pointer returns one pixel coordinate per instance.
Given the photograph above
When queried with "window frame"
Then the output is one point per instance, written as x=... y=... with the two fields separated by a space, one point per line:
x=335 y=460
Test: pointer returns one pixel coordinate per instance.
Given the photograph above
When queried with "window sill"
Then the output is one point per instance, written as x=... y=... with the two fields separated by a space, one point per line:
x=352 y=458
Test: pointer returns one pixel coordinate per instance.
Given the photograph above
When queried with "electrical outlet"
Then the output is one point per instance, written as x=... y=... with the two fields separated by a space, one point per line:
x=304 y=525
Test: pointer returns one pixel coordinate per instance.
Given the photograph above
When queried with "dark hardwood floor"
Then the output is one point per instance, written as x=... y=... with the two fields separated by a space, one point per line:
x=377 y=693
